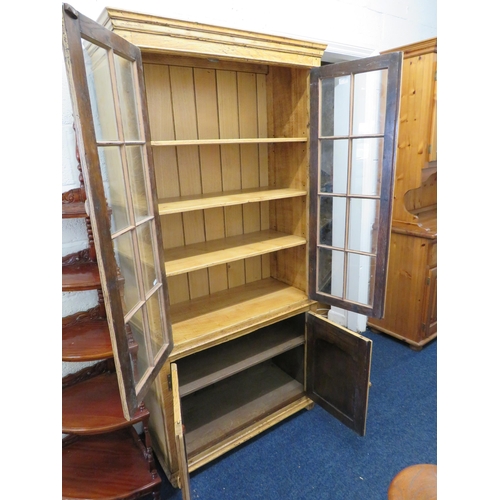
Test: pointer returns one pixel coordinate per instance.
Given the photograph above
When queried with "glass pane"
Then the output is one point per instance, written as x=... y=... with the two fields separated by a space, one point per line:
x=155 y=322
x=114 y=186
x=332 y=212
x=124 y=255
x=138 y=352
x=331 y=272
x=335 y=94
x=137 y=182
x=363 y=225
x=325 y=220
x=370 y=95
x=334 y=166
x=147 y=257
x=360 y=278
x=101 y=92
x=127 y=94
x=366 y=175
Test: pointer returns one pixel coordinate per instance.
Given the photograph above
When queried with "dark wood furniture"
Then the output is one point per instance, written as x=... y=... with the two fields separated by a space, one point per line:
x=103 y=456
x=416 y=482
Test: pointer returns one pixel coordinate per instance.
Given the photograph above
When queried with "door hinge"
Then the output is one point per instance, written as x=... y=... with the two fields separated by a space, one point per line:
x=429 y=148
x=169 y=382
x=423 y=326
x=428 y=281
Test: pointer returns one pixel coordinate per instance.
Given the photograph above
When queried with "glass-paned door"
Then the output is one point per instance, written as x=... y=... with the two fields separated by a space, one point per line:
x=354 y=110
x=107 y=89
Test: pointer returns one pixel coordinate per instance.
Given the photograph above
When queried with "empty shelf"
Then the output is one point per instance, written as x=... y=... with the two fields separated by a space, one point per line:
x=222 y=409
x=203 y=142
x=196 y=256
x=168 y=206
x=215 y=364
x=202 y=322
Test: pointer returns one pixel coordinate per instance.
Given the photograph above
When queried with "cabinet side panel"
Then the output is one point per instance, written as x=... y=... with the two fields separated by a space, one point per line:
x=414 y=124
x=406 y=279
x=288 y=98
x=430 y=304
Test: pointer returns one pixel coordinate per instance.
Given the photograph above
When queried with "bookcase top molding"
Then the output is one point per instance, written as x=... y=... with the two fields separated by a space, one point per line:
x=164 y=35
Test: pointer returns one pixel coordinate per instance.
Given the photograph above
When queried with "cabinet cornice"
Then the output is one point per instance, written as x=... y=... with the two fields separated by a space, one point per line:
x=159 y=34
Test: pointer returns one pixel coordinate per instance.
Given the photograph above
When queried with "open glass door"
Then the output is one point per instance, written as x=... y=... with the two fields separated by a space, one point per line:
x=112 y=131
x=354 y=111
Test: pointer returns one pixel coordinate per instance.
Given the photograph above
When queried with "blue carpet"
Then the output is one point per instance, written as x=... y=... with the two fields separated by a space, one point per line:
x=313 y=456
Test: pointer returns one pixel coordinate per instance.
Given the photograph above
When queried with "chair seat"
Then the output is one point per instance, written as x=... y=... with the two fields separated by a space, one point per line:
x=417 y=482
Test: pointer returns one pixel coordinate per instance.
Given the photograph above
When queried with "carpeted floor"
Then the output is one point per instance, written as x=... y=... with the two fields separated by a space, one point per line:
x=312 y=456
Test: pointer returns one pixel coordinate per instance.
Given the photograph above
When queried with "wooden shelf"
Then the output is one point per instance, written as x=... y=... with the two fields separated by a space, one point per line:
x=207 y=321
x=106 y=466
x=209 y=142
x=80 y=276
x=255 y=428
x=85 y=338
x=425 y=225
x=168 y=206
x=222 y=409
x=210 y=366
x=429 y=169
x=93 y=406
x=428 y=219
x=189 y=258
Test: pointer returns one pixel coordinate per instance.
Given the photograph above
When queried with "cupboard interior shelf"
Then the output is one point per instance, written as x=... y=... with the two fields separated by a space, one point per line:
x=209 y=320
x=201 y=255
x=253 y=429
x=224 y=199
x=212 y=414
x=209 y=142
x=213 y=365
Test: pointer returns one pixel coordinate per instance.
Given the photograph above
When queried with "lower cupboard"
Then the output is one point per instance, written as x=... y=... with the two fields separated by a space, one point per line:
x=231 y=392
x=228 y=387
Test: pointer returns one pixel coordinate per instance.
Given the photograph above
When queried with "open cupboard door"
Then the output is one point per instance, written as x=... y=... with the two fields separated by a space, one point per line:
x=338 y=371
x=106 y=84
x=180 y=439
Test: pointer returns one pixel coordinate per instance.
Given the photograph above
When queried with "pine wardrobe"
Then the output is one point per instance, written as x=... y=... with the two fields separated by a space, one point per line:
x=236 y=188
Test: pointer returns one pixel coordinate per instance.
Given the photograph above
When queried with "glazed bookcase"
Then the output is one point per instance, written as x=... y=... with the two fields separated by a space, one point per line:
x=229 y=128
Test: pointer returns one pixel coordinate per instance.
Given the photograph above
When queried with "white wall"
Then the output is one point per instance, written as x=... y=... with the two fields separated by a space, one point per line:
x=355 y=27
x=375 y=24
